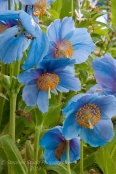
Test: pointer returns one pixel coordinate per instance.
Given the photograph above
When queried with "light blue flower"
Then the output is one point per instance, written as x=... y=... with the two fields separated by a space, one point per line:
x=49 y=76
x=16 y=39
x=68 y=41
x=105 y=73
x=89 y=116
x=55 y=147
x=3 y=5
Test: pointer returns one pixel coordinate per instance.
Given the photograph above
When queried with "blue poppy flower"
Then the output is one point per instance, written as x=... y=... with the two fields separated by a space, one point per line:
x=16 y=39
x=105 y=73
x=37 y=7
x=55 y=147
x=68 y=41
x=89 y=116
x=50 y=75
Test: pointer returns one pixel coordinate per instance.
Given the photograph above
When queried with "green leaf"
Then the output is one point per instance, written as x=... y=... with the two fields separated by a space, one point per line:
x=28 y=108
x=57 y=5
x=114 y=12
x=60 y=169
x=13 y=155
x=66 y=8
x=3 y=96
x=105 y=161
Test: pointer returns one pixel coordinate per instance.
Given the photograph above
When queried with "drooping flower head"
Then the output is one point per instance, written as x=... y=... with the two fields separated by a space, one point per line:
x=68 y=41
x=51 y=75
x=105 y=73
x=38 y=6
x=55 y=147
x=18 y=30
x=90 y=117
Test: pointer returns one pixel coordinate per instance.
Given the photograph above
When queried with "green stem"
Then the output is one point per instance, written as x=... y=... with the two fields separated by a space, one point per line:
x=59 y=97
x=68 y=156
x=13 y=97
x=36 y=148
x=72 y=7
x=81 y=157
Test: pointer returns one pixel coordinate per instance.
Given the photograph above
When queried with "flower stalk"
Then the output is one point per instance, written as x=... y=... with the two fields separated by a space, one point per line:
x=68 y=156
x=81 y=157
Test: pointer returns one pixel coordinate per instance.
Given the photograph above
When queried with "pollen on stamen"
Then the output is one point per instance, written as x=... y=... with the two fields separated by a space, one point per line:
x=88 y=116
x=3 y=27
x=63 y=49
x=47 y=81
x=39 y=8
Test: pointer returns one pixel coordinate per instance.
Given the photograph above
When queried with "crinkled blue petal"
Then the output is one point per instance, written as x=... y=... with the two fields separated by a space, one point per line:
x=50 y=158
x=69 y=82
x=30 y=94
x=106 y=104
x=29 y=75
x=29 y=24
x=98 y=136
x=38 y=49
x=42 y=101
x=105 y=73
x=51 y=139
x=60 y=88
x=70 y=128
x=12 y=48
x=82 y=45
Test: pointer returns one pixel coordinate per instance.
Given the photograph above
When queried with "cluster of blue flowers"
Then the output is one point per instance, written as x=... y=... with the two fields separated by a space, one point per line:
x=49 y=67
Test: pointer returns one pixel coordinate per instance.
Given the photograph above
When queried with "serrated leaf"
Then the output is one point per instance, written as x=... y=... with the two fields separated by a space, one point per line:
x=13 y=155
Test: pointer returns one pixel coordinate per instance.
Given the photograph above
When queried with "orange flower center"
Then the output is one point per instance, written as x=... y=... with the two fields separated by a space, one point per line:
x=3 y=27
x=47 y=81
x=63 y=49
x=88 y=115
x=39 y=8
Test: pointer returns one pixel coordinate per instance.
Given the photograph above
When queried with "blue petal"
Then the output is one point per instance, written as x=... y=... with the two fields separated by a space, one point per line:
x=38 y=49
x=28 y=2
x=82 y=45
x=10 y=14
x=3 y=5
x=96 y=89
x=29 y=75
x=43 y=101
x=99 y=135
x=70 y=128
x=30 y=94
x=74 y=149
x=29 y=24
x=52 y=138
x=61 y=89
x=107 y=105
x=104 y=71
x=69 y=82
x=12 y=48
x=67 y=28
x=50 y=158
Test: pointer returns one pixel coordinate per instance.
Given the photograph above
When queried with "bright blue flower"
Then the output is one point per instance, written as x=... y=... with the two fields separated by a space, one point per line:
x=55 y=147
x=105 y=73
x=68 y=41
x=16 y=39
x=51 y=75
x=89 y=116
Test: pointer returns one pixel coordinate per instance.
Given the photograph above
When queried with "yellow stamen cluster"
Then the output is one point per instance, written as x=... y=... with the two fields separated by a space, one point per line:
x=39 y=7
x=3 y=27
x=88 y=115
x=47 y=81
x=63 y=49
x=60 y=150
